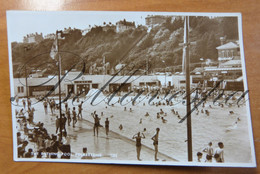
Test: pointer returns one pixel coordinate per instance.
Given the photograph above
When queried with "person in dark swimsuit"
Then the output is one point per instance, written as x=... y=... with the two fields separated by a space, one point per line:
x=155 y=139
x=45 y=105
x=66 y=106
x=107 y=126
x=80 y=110
x=68 y=116
x=138 y=138
x=96 y=124
x=74 y=117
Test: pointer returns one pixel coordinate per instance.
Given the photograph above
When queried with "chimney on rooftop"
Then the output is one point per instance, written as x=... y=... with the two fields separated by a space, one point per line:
x=222 y=40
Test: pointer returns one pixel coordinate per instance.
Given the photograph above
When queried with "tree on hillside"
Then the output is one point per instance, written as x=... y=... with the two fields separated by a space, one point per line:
x=212 y=43
x=193 y=21
x=203 y=25
x=201 y=46
x=172 y=26
x=148 y=42
x=230 y=27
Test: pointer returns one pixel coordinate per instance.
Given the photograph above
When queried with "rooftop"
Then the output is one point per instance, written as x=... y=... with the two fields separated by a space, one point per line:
x=231 y=62
x=198 y=69
x=223 y=69
x=229 y=45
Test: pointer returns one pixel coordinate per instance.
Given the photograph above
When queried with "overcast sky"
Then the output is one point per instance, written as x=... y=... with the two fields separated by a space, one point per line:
x=21 y=23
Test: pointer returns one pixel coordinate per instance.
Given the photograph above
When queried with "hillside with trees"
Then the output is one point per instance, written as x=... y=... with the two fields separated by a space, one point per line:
x=160 y=46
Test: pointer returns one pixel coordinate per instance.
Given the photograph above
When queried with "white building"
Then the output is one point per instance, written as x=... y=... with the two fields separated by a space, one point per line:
x=73 y=83
x=228 y=51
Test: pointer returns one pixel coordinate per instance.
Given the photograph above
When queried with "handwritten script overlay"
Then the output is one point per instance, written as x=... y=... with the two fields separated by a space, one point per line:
x=180 y=95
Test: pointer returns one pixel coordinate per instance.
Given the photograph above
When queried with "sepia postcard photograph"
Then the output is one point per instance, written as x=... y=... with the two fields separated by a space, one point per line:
x=142 y=88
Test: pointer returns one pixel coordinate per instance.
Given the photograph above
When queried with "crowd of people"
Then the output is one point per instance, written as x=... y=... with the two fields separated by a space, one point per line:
x=218 y=154
x=35 y=137
x=42 y=144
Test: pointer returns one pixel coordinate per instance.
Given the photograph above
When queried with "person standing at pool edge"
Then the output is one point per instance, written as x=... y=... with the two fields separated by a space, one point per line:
x=138 y=138
x=96 y=124
x=107 y=126
x=155 y=139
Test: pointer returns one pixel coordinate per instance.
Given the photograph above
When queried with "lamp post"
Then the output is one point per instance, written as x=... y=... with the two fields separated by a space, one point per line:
x=59 y=74
x=147 y=61
x=26 y=78
x=202 y=67
x=164 y=73
x=26 y=82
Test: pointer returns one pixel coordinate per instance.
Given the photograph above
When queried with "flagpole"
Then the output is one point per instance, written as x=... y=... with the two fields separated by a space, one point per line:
x=59 y=74
x=188 y=106
x=184 y=48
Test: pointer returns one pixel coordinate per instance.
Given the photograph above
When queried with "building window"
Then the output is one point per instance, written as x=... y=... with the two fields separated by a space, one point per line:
x=20 y=89
x=141 y=84
x=95 y=86
x=228 y=53
x=223 y=53
x=232 y=53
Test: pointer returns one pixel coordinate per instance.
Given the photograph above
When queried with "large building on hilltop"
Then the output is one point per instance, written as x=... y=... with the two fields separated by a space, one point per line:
x=33 y=38
x=124 y=25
